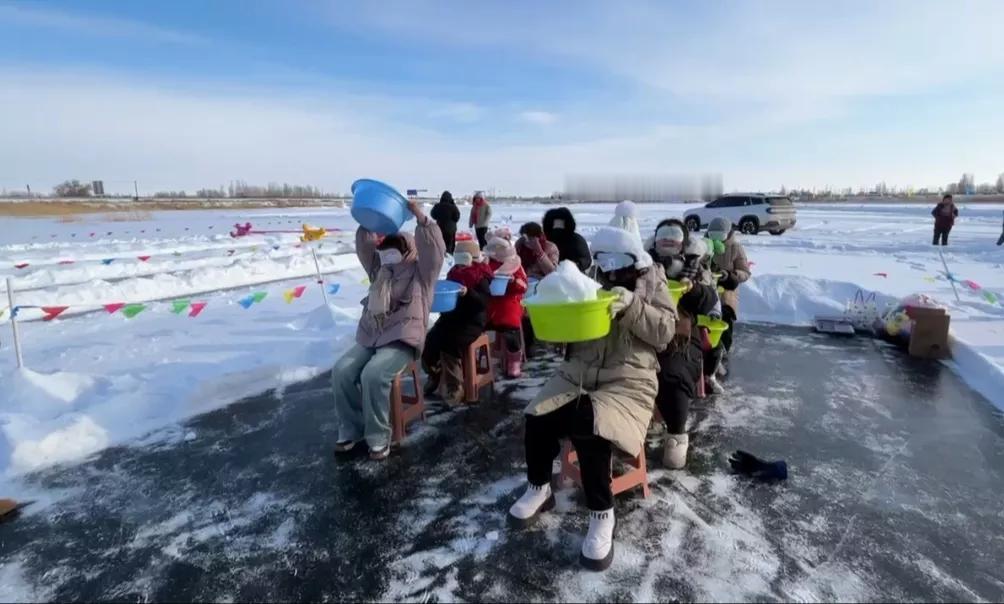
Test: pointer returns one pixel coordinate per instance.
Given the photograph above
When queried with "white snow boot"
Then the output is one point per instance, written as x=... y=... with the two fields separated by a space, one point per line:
x=598 y=547
x=674 y=451
x=715 y=385
x=528 y=507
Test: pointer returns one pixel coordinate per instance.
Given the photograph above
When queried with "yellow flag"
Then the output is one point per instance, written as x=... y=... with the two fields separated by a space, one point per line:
x=288 y=296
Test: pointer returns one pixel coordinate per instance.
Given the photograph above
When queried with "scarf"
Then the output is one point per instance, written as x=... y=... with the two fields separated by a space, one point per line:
x=478 y=203
x=379 y=302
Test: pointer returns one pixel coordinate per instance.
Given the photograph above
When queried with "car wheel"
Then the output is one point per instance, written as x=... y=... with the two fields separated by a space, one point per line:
x=777 y=232
x=749 y=226
x=693 y=224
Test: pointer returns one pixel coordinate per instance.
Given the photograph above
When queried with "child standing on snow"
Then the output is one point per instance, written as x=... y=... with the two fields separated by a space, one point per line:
x=505 y=312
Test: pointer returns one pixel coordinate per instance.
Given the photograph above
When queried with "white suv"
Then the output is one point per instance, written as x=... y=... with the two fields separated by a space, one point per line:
x=750 y=212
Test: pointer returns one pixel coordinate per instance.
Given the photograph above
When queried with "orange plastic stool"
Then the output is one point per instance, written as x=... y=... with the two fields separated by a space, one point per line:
x=637 y=475
x=405 y=408
x=477 y=375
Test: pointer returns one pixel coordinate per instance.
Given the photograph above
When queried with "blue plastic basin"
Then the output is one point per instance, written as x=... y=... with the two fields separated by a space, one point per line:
x=378 y=207
x=445 y=298
x=499 y=285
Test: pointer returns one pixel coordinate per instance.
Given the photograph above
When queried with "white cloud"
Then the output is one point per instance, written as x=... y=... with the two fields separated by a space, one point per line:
x=33 y=16
x=538 y=118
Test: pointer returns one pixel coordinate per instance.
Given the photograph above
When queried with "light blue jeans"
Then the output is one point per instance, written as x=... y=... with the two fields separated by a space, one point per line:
x=361 y=382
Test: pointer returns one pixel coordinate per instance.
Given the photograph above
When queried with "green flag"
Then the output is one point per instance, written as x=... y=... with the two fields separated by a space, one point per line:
x=131 y=310
x=180 y=306
x=259 y=296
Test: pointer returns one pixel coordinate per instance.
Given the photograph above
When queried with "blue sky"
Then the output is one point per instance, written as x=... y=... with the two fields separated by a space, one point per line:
x=509 y=95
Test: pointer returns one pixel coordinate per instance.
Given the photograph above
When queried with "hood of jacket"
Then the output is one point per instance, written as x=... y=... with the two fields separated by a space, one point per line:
x=558 y=214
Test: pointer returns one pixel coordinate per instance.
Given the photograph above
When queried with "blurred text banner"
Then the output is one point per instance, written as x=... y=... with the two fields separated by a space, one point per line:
x=642 y=187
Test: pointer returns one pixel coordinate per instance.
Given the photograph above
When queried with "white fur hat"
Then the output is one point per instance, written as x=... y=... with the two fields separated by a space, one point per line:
x=618 y=241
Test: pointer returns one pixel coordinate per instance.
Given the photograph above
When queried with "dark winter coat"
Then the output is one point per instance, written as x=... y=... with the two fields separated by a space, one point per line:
x=945 y=214
x=465 y=323
x=571 y=245
x=447 y=215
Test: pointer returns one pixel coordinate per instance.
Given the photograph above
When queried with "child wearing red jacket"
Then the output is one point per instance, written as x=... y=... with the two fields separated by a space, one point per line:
x=505 y=312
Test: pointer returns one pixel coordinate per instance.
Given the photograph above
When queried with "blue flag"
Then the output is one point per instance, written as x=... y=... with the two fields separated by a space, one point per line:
x=246 y=301
x=333 y=288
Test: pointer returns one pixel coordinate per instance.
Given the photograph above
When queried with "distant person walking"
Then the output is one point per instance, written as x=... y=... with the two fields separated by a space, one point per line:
x=1000 y=240
x=447 y=215
x=944 y=214
x=481 y=216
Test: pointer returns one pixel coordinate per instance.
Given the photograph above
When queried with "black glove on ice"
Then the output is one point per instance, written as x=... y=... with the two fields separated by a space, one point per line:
x=749 y=465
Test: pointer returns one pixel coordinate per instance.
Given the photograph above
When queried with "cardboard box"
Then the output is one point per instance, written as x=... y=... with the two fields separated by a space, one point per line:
x=929 y=335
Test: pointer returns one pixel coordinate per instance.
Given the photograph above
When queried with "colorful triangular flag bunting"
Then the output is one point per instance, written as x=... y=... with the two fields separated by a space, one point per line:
x=112 y=308
x=107 y=261
x=990 y=296
x=288 y=295
x=66 y=261
x=333 y=288
x=258 y=296
x=180 y=306
x=143 y=258
x=196 y=309
x=51 y=312
x=131 y=310
x=298 y=291
x=246 y=302
x=21 y=265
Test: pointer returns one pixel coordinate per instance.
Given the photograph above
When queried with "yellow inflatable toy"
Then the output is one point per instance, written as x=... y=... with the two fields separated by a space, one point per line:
x=312 y=233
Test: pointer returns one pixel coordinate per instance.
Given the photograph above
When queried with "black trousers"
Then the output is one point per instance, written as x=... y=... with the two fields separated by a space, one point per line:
x=573 y=421
x=1000 y=240
x=729 y=316
x=482 y=232
x=450 y=239
x=678 y=375
x=941 y=234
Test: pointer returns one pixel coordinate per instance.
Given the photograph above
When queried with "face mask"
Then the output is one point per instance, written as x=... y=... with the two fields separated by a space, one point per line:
x=463 y=259
x=626 y=278
x=558 y=224
x=389 y=257
x=668 y=248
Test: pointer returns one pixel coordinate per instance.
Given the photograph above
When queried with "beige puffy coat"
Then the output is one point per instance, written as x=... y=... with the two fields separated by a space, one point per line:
x=619 y=371
x=733 y=259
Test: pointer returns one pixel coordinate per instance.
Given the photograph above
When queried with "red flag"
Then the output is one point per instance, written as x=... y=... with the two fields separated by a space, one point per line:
x=111 y=308
x=881 y=275
x=196 y=308
x=51 y=312
x=299 y=291
x=22 y=265
x=66 y=261
x=92 y=234
x=143 y=258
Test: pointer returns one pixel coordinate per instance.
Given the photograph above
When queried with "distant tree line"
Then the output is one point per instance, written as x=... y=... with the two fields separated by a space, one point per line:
x=237 y=189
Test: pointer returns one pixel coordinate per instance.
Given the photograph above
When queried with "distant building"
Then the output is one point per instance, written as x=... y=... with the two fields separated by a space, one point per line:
x=98 y=188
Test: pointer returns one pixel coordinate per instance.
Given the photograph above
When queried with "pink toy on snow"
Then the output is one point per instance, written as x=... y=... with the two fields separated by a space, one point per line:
x=241 y=230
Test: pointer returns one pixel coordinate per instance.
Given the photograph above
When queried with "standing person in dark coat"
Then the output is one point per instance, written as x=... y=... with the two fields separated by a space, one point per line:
x=454 y=331
x=447 y=215
x=559 y=228
x=944 y=214
x=1000 y=240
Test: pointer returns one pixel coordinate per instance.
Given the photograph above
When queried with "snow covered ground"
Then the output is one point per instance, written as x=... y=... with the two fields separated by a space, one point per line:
x=96 y=378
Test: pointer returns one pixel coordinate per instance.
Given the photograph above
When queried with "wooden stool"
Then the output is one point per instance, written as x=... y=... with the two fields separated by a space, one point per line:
x=477 y=375
x=636 y=476
x=404 y=408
